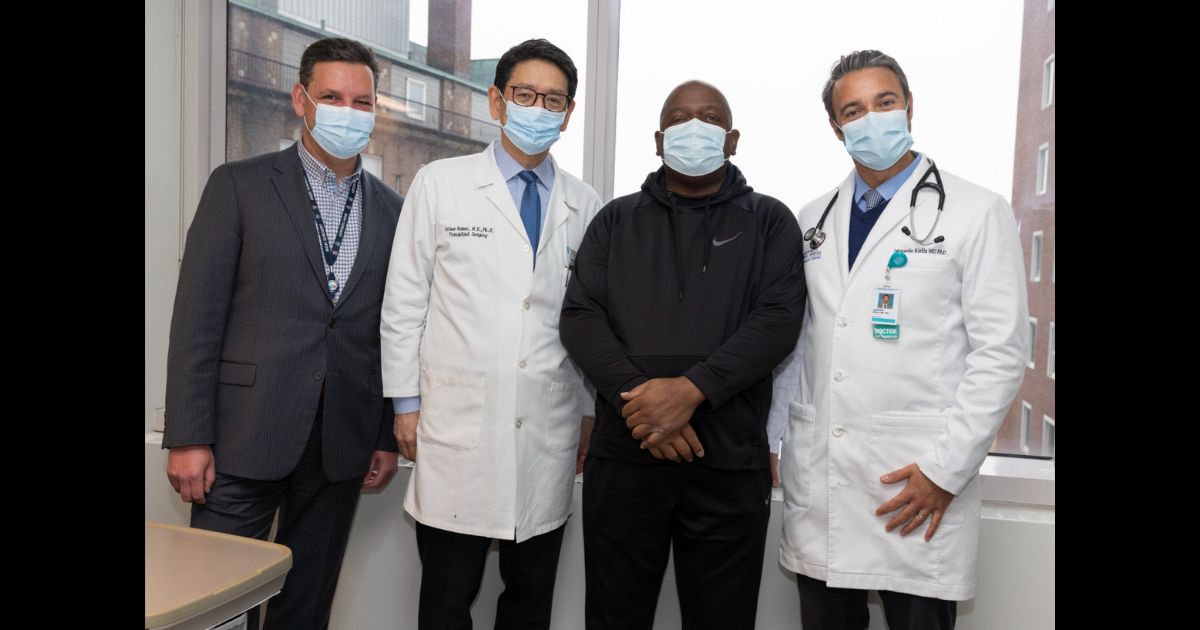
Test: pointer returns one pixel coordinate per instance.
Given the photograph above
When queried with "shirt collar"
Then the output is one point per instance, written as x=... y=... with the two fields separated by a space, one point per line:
x=509 y=167
x=889 y=188
x=317 y=170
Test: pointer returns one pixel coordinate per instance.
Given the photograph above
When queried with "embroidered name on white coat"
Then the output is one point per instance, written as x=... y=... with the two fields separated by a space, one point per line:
x=467 y=231
x=941 y=251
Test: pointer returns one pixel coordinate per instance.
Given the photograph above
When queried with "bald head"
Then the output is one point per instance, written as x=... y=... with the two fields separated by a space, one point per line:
x=696 y=99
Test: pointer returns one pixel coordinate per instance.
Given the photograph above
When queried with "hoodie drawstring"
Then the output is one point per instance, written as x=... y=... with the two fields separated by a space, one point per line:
x=734 y=186
x=711 y=234
x=706 y=228
x=675 y=245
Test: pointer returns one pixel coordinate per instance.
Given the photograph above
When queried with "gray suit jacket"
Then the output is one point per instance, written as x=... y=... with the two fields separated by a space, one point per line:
x=255 y=334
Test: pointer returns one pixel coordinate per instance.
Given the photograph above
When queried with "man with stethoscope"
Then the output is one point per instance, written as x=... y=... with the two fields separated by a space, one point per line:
x=911 y=352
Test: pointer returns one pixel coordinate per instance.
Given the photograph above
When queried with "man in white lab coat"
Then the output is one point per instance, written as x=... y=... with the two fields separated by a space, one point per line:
x=893 y=408
x=488 y=404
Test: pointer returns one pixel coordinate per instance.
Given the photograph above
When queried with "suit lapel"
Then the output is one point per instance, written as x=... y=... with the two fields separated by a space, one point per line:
x=487 y=175
x=841 y=219
x=371 y=211
x=562 y=203
x=289 y=185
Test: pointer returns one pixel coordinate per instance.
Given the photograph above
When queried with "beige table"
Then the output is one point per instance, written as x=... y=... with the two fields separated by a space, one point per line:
x=195 y=579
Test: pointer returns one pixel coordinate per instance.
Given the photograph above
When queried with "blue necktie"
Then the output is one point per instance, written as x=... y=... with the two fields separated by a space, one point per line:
x=872 y=199
x=531 y=210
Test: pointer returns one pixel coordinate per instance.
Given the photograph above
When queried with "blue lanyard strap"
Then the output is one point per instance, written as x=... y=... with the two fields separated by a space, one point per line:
x=330 y=253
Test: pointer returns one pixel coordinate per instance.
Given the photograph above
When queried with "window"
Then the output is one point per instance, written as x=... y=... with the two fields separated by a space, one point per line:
x=463 y=58
x=1048 y=82
x=415 y=98
x=432 y=95
x=1043 y=168
x=373 y=164
x=1032 y=342
x=1026 y=414
x=1050 y=354
x=1048 y=436
x=1035 y=258
x=650 y=68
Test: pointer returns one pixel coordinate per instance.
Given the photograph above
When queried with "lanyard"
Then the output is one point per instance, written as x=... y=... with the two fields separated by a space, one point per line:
x=331 y=253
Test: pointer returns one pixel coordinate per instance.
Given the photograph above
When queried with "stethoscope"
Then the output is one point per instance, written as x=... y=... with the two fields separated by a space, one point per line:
x=816 y=235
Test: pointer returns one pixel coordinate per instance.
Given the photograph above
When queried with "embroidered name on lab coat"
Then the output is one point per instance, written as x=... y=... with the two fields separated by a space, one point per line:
x=463 y=231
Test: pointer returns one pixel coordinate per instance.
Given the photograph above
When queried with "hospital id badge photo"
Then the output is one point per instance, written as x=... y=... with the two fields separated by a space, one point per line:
x=885 y=313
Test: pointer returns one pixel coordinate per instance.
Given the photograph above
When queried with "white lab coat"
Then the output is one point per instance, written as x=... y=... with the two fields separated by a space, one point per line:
x=862 y=407
x=472 y=327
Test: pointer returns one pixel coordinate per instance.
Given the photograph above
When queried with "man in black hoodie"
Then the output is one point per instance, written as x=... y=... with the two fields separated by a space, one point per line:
x=684 y=297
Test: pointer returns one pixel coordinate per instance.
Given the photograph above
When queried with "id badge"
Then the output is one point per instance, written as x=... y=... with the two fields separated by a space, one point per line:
x=885 y=313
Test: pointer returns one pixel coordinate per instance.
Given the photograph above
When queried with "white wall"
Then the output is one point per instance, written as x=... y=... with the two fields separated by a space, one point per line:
x=163 y=216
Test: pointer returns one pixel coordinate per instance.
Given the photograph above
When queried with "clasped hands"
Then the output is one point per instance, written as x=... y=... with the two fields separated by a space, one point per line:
x=659 y=412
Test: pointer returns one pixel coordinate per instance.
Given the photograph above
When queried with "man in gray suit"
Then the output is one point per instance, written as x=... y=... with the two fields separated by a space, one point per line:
x=274 y=393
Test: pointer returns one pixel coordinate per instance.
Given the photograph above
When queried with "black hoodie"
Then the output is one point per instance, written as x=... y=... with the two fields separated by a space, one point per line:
x=710 y=288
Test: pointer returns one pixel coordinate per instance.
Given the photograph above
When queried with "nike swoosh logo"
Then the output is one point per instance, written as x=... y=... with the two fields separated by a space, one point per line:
x=717 y=243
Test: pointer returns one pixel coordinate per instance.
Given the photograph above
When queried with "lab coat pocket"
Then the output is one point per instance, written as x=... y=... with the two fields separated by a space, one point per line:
x=795 y=461
x=562 y=415
x=898 y=439
x=452 y=405
x=929 y=262
x=928 y=284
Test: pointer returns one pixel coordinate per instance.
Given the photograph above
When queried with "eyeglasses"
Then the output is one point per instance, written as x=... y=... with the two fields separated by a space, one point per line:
x=526 y=97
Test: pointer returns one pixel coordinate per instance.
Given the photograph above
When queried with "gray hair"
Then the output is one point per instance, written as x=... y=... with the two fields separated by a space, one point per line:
x=860 y=60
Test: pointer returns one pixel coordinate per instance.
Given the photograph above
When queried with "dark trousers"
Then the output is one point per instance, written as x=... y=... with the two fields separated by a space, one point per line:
x=825 y=608
x=314 y=522
x=715 y=520
x=452 y=570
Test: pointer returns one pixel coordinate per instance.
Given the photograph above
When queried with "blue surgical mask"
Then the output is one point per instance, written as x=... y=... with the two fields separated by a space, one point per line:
x=879 y=139
x=342 y=131
x=694 y=148
x=532 y=129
